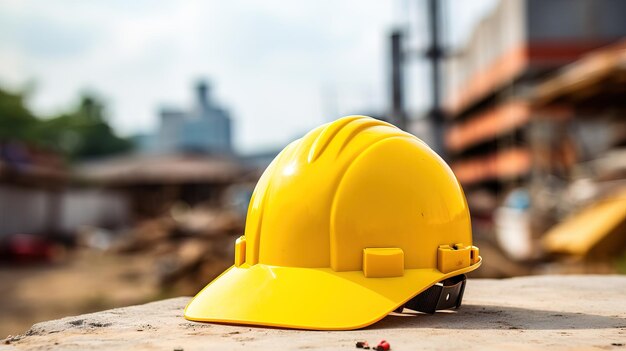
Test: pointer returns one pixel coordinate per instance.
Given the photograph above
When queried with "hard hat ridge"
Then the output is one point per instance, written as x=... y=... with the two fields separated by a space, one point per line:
x=354 y=125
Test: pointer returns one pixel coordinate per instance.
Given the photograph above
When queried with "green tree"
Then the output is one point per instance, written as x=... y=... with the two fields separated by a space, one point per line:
x=16 y=121
x=84 y=132
x=81 y=133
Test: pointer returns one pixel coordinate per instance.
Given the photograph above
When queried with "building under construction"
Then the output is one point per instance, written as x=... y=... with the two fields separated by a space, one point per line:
x=536 y=126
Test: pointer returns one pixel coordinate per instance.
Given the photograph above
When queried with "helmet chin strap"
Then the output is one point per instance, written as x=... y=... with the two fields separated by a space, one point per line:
x=442 y=296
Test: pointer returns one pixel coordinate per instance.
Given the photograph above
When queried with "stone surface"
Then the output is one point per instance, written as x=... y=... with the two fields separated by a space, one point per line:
x=556 y=312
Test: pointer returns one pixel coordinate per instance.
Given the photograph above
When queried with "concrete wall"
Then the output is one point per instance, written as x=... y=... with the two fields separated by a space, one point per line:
x=575 y=19
x=32 y=211
x=22 y=210
x=94 y=208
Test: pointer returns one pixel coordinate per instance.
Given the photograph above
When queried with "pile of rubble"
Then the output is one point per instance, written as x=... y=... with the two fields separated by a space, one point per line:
x=186 y=248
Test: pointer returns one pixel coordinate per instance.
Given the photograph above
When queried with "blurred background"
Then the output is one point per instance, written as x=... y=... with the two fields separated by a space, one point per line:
x=132 y=133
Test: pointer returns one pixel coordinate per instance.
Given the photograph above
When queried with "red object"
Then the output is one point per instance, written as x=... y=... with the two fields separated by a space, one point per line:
x=26 y=248
x=383 y=345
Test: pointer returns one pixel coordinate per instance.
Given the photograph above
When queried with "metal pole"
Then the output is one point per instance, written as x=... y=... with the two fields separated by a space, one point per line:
x=435 y=55
x=397 y=88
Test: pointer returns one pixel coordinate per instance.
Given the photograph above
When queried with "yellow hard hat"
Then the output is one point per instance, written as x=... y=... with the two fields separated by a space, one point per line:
x=354 y=220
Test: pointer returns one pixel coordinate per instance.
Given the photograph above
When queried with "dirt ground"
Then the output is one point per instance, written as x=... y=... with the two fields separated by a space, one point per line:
x=527 y=313
x=85 y=282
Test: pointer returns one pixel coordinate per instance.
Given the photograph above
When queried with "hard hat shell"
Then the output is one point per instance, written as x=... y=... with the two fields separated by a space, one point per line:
x=354 y=184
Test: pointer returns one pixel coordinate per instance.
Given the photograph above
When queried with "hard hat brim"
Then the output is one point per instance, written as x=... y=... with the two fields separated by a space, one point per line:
x=307 y=298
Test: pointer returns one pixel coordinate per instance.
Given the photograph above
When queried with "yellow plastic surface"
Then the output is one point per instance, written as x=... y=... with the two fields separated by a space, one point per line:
x=240 y=251
x=307 y=298
x=383 y=262
x=346 y=186
x=454 y=257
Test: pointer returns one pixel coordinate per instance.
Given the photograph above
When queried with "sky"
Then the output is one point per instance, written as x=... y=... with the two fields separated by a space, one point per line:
x=280 y=67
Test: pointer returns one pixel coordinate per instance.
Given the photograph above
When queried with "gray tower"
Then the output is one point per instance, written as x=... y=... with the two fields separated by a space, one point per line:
x=205 y=128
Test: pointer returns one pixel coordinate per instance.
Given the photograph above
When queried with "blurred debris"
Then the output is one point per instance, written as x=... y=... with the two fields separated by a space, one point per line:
x=187 y=210
x=186 y=248
x=95 y=238
x=145 y=235
x=598 y=77
x=500 y=265
x=206 y=221
x=512 y=226
x=597 y=230
x=587 y=216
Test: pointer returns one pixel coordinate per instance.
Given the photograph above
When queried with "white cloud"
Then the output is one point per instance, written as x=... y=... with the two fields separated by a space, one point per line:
x=273 y=63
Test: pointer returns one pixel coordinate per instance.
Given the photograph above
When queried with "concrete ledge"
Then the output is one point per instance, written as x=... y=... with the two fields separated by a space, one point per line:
x=557 y=312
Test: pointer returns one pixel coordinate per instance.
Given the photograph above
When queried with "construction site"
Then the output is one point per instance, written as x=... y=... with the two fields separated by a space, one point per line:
x=529 y=112
x=535 y=134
